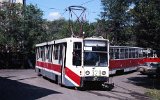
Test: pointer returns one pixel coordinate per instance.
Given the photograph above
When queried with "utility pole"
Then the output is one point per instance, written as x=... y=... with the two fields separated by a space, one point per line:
x=24 y=2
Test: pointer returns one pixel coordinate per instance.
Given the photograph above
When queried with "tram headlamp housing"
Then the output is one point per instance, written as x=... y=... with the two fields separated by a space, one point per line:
x=87 y=72
x=103 y=72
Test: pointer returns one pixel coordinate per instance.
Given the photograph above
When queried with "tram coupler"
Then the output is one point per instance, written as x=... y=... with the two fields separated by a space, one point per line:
x=108 y=86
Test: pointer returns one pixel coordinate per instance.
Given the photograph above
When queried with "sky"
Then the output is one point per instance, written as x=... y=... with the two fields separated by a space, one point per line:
x=55 y=9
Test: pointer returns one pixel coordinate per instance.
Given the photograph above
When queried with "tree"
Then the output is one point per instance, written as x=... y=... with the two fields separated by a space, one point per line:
x=147 y=23
x=115 y=18
x=21 y=27
x=57 y=29
x=9 y=26
x=33 y=27
x=61 y=29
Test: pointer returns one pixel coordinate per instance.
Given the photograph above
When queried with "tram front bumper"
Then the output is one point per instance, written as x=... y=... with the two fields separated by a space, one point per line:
x=95 y=78
x=97 y=82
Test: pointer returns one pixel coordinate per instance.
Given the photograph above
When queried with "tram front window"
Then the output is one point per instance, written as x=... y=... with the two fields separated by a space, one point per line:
x=95 y=59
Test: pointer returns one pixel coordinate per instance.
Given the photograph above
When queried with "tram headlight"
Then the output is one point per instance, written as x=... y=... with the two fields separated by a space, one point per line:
x=103 y=72
x=87 y=72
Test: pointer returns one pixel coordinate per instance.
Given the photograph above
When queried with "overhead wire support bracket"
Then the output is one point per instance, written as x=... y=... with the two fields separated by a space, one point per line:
x=79 y=18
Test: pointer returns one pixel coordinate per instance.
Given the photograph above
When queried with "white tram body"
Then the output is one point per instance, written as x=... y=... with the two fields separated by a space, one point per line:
x=73 y=62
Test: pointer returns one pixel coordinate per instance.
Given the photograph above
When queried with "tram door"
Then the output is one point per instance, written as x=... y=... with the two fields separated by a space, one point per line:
x=62 y=62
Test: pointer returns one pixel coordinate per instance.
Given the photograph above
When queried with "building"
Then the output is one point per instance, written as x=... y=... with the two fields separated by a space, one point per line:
x=13 y=1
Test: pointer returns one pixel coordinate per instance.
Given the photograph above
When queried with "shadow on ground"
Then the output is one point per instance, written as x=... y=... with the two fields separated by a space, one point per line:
x=144 y=81
x=14 y=90
x=120 y=95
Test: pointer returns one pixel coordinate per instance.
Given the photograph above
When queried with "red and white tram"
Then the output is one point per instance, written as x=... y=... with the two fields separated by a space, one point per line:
x=125 y=58
x=74 y=62
x=150 y=56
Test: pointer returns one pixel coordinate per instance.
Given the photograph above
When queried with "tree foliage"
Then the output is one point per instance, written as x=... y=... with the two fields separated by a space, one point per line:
x=116 y=20
x=123 y=22
x=34 y=30
x=133 y=22
x=62 y=28
x=20 y=28
x=57 y=29
x=147 y=23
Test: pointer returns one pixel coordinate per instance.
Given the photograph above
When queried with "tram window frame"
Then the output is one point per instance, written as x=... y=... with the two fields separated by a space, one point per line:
x=122 y=53
x=126 y=53
x=112 y=54
x=133 y=53
x=140 y=53
x=116 y=53
x=43 y=53
x=60 y=55
x=136 y=53
x=40 y=53
x=37 y=53
x=49 y=53
x=51 y=50
x=52 y=54
x=40 y=56
x=56 y=51
x=77 y=54
x=130 y=53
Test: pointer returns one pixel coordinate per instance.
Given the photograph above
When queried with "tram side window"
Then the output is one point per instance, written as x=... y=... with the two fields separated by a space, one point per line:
x=133 y=53
x=130 y=53
x=77 y=49
x=112 y=54
x=56 y=52
x=122 y=53
x=48 y=55
x=126 y=53
x=47 y=52
x=116 y=53
x=37 y=53
x=60 y=54
x=136 y=53
x=43 y=53
x=140 y=53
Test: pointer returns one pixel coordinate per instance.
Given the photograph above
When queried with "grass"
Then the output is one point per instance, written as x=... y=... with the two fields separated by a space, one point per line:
x=154 y=94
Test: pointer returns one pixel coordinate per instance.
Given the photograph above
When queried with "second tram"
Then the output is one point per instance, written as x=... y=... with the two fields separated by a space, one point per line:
x=125 y=58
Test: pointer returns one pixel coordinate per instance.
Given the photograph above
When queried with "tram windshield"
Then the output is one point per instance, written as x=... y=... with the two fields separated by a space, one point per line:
x=95 y=53
x=95 y=59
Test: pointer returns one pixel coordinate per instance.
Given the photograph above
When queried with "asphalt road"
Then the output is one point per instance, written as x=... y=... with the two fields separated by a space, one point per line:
x=26 y=85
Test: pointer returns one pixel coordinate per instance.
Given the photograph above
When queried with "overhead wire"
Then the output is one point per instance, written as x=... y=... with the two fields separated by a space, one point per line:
x=87 y=2
x=64 y=10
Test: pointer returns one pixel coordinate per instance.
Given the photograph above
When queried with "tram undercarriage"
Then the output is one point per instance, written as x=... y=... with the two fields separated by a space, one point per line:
x=96 y=83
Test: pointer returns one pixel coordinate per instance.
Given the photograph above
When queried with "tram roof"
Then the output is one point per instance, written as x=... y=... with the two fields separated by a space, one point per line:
x=126 y=47
x=75 y=39
x=96 y=38
x=57 y=41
